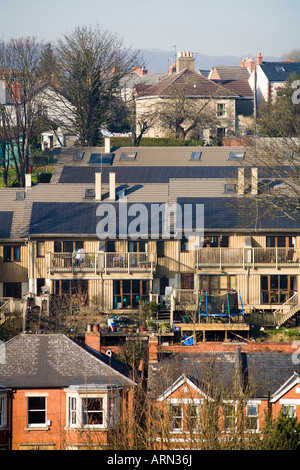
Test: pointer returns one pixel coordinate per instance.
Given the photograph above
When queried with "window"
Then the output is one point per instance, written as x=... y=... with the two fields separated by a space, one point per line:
x=221 y=132
x=289 y=411
x=221 y=110
x=129 y=293
x=236 y=155
x=67 y=246
x=128 y=156
x=187 y=281
x=196 y=156
x=229 y=416
x=230 y=188
x=176 y=417
x=160 y=248
x=12 y=253
x=216 y=241
x=277 y=289
x=252 y=417
x=280 y=68
x=193 y=417
x=40 y=249
x=36 y=407
x=72 y=411
x=77 y=288
x=40 y=282
x=92 y=411
x=137 y=247
x=216 y=284
x=12 y=289
x=2 y=412
x=184 y=244
x=280 y=242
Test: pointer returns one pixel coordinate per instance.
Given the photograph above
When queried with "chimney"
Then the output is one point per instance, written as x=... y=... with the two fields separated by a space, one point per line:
x=185 y=60
x=254 y=175
x=112 y=186
x=93 y=337
x=172 y=68
x=107 y=145
x=248 y=64
x=259 y=59
x=28 y=180
x=98 y=186
x=241 y=181
x=153 y=349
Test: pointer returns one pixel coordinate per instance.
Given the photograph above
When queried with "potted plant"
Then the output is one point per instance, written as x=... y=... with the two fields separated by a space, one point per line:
x=151 y=325
x=165 y=327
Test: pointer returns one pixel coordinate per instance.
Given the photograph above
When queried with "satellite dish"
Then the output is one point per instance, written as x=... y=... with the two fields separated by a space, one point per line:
x=108 y=353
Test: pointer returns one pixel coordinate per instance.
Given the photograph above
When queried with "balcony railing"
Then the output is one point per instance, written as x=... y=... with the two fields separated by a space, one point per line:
x=247 y=257
x=101 y=262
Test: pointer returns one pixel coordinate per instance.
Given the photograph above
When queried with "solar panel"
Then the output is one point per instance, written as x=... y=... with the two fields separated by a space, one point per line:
x=143 y=174
x=5 y=224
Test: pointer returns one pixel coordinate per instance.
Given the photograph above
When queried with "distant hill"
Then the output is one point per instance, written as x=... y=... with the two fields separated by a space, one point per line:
x=156 y=60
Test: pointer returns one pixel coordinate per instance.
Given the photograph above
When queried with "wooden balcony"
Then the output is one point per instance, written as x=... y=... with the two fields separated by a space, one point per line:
x=247 y=258
x=101 y=262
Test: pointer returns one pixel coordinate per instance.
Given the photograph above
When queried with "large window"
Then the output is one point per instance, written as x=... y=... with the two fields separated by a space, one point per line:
x=129 y=293
x=36 y=411
x=216 y=284
x=12 y=253
x=92 y=410
x=67 y=246
x=277 y=289
x=75 y=288
x=215 y=241
x=176 y=412
x=185 y=417
x=280 y=242
x=12 y=289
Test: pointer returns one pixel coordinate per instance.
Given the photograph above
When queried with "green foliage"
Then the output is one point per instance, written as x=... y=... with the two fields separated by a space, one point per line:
x=152 y=142
x=281 y=433
x=280 y=118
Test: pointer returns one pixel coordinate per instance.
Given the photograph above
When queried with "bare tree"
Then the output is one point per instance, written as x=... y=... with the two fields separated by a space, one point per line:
x=19 y=70
x=90 y=64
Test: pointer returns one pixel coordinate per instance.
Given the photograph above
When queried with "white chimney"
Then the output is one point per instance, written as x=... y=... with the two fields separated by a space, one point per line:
x=28 y=180
x=112 y=186
x=254 y=175
x=107 y=145
x=98 y=186
x=241 y=181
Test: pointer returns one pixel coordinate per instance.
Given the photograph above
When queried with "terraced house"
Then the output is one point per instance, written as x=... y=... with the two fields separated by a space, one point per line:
x=57 y=238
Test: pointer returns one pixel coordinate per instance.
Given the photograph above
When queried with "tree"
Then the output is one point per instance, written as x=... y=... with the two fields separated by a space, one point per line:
x=293 y=55
x=19 y=70
x=281 y=117
x=182 y=113
x=90 y=64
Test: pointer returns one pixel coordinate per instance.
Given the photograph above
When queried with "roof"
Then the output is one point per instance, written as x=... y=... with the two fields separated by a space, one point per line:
x=12 y=202
x=56 y=361
x=262 y=372
x=232 y=72
x=240 y=87
x=192 y=83
x=279 y=71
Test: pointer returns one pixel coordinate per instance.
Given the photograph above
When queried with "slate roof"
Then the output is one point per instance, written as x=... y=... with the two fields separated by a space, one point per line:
x=232 y=72
x=11 y=210
x=194 y=84
x=274 y=74
x=56 y=361
x=262 y=372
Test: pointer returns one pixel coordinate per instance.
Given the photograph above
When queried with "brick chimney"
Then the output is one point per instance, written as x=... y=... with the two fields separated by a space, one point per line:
x=93 y=337
x=259 y=59
x=153 y=349
x=248 y=63
x=140 y=70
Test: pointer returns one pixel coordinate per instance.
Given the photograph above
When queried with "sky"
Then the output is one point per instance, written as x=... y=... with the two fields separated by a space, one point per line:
x=216 y=28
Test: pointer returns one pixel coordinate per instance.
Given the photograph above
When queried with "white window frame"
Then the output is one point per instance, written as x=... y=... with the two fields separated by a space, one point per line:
x=287 y=408
x=36 y=425
x=177 y=416
x=110 y=407
x=249 y=405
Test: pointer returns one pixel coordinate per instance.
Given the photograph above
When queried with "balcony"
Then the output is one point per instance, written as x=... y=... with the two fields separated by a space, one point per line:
x=247 y=258
x=95 y=263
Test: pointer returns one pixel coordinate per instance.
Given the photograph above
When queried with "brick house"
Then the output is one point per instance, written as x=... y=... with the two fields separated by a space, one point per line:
x=56 y=393
x=183 y=380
